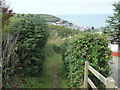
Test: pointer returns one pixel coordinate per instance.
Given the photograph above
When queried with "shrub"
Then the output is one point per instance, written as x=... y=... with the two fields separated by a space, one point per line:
x=48 y=50
x=33 y=34
x=62 y=32
x=85 y=47
x=55 y=47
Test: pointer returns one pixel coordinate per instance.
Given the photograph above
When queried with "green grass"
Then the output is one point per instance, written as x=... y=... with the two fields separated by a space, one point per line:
x=58 y=41
x=44 y=79
x=49 y=18
x=41 y=81
x=63 y=79
x=56 y=59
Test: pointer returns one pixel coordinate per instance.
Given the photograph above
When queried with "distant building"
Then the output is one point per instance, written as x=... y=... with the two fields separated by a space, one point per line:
x=68 y=25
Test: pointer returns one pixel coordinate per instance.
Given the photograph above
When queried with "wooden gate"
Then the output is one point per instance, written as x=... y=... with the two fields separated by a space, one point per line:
x=108 y=82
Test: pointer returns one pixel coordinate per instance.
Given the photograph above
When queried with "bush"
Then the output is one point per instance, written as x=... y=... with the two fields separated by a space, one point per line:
x=85 y=47
x=61 y=31
x=51 y=48
x=33 y=34
x=48 y=50
x=55 y=47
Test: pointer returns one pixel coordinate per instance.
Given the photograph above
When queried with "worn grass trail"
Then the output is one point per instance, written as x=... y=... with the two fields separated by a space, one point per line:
x=53 y=70
x=51 y=76
x=52 y=64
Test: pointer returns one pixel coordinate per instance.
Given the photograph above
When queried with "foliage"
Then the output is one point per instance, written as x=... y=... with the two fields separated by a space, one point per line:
x=8 y=43
x=105 y=30
x=61 y=31
x=92 y=29
x=43 y=79
x=49 y=18
x=85 y=47
x=113 y=27
x=58 y=41
x=33 y=35
x=6 y=13
x=48 y=50
x=55 y=48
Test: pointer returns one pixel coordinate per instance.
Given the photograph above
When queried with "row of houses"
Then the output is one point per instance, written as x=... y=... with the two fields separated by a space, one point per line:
x=67 y=25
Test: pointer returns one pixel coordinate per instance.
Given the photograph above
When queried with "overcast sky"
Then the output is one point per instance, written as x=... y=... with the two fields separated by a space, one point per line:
x=62 y=7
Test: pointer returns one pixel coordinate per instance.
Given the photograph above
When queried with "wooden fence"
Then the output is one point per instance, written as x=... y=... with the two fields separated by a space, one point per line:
x=108 y=82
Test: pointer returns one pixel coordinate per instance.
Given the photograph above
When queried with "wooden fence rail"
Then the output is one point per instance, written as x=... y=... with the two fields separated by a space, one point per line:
x=108 y=82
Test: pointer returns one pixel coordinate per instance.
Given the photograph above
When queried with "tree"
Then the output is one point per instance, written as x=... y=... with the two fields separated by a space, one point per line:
x=6 y=13
x=114 y=24
x=7 y=40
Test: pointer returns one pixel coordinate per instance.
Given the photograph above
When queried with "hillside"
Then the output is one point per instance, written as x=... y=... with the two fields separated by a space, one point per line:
x=50 y=18
x=53 y=20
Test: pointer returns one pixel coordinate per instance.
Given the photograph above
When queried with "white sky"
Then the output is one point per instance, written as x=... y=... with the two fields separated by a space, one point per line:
x=61 y=7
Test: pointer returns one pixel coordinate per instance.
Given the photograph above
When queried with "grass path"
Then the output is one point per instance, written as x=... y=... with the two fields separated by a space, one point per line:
x=51 y=76
x=54 y=68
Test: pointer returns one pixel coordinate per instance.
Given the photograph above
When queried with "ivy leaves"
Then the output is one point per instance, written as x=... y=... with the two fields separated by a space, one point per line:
x=85 y=47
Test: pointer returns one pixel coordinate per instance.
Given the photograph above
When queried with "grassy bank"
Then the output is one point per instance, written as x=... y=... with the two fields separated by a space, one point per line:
x=52 y=76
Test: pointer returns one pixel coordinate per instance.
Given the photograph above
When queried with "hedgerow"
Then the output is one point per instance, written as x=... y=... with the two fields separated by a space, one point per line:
x=85 y=47
x=33 y=34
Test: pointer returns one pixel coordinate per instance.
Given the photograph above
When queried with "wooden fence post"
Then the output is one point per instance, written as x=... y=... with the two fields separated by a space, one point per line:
x=86 y=74
x=110 y=83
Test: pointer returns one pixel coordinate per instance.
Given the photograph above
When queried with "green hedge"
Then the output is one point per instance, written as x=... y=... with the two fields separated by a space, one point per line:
x=85 y=47
x=33 y=35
